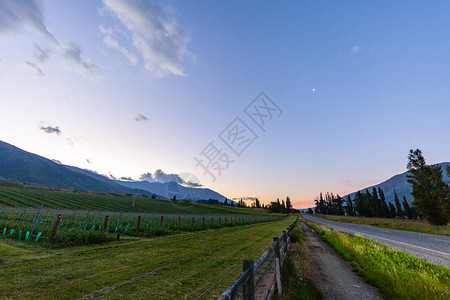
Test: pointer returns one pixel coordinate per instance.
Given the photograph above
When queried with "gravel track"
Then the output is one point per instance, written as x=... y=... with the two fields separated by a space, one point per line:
x=332 y=274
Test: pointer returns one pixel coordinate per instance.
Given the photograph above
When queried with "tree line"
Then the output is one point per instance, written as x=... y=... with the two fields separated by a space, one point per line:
x=281 y=207
x=365 y=204
x=431 y=197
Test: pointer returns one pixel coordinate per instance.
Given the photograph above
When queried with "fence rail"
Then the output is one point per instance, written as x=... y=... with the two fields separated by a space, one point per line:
x=246 y=284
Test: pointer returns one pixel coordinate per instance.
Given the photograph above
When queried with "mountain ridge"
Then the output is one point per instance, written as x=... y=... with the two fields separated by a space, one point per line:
x=401 y=186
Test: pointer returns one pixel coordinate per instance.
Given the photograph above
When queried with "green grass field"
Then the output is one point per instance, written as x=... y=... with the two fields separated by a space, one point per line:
x=397 y=275
x=399 y=224
x=193 y=262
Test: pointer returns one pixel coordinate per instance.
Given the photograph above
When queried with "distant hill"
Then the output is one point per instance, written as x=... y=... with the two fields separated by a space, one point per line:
x=22 y=167
x=170 y=189
x=399 y=183
x=19 y=166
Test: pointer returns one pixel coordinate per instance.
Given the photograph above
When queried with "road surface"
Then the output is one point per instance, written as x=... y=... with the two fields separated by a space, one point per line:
x=430 y=247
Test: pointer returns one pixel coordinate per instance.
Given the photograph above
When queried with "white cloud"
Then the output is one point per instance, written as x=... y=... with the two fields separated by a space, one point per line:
x=16 y=15
x=72 y=53
x=50 y=129
x=41 y=55
x=140 y=117
x=162 y=177
x=355 y=50
x=154 y=32
x=37 y=71
x=111 y=42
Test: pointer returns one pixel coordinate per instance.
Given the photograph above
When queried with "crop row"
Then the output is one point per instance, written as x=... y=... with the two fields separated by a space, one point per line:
x=78 y=227
x=13 y=195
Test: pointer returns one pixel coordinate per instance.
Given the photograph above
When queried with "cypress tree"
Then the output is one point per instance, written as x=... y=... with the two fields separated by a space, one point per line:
x=431 y=194
x=398 y=206
x=349 y=208
x=407 y=209
x=393 y=213
x=384 y=207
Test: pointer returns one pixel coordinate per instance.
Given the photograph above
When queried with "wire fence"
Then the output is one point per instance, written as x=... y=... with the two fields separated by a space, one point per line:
x=27 y=223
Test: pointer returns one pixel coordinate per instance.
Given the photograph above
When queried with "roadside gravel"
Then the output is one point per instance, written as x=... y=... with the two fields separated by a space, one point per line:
x=332 y=274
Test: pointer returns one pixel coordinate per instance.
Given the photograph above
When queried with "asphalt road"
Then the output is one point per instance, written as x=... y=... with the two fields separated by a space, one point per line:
x=431 y=247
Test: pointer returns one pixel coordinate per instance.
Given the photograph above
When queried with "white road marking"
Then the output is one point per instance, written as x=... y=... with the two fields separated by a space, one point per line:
x=378 y=237
x=393 y=241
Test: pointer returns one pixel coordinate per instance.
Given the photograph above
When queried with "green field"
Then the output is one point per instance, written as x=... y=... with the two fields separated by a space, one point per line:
x=399 y=224
x=184 y=265
x=15 y=195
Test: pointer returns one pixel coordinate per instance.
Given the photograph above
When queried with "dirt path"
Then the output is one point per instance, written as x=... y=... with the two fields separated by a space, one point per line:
x=332 y=274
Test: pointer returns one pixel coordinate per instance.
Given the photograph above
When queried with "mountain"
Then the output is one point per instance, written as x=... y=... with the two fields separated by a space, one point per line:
x=19 y=166
x=401 y=186
x=170 y=189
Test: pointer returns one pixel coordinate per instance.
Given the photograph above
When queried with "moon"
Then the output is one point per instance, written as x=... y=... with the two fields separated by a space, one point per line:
x=314 y=90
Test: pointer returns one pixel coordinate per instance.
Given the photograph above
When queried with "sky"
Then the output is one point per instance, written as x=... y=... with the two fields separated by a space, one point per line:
x=254 y=99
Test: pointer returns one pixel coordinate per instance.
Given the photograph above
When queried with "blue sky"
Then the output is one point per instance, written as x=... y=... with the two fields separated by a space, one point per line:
x=359 y=84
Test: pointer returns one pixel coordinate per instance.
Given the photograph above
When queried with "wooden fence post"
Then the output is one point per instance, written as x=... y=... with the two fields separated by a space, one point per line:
x=87 y=218
x=162 y=221
x=249 y=287
x=193 y=220
x=277 y=266
x=179 y=223
x=219 y=221
x=138 y=224
x=105 y=224
x=55 y=227
x=203 y=222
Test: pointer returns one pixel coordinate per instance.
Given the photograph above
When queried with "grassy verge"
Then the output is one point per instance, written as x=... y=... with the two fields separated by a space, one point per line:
x=397 y=275
x=296 y=271
x=399 y=224
x=195 y=260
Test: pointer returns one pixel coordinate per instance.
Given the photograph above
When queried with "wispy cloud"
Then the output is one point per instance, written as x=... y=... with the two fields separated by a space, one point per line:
x=349 y=185
x=246 y=198
x=41 y=55
x=17 y=15
x=50 y=129
x=72 y=53
x=1 y=61
x=140 y=117
x=111 y=42
x=155 y=34
x=355 y=49
x=37 y=70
